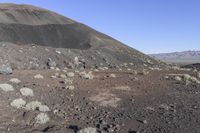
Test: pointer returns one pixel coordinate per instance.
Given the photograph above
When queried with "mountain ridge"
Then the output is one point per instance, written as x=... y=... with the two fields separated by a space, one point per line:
x=189 y=56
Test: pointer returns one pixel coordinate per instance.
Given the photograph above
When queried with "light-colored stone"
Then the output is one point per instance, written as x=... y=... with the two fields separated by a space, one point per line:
x=26 y=92
x=70 y=87
x=198 y=74
x=63 y=76
x=51 y=63
x=70 y=74
x=176 y=68
x=56 y=74
x=88 y=130
x=33 y=105
x=57 y=69
x=128 y=69
x=186 y=77
x=44 y=108
x=123 y=88
x=53 y=77
x=42 y=118
x=145 y=72
x=145 y=121
x=194 y=80
x=85 y=75
x=96 y=70
x=58 y=52
x=15 y=80
x=76 y=61
x=177 y=78
x=5 y=69
x=18 y=103
x=6 y=87
x=39 y=76
x=36 y=105
x=112 y=75
x=68 y=81
x=166 y=77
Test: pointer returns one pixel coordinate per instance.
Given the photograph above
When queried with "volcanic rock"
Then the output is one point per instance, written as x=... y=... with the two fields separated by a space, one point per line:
x=31 y=37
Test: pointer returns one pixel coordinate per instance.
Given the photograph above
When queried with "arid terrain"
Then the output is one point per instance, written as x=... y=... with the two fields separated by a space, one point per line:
x=118 y=101
x=61 y=76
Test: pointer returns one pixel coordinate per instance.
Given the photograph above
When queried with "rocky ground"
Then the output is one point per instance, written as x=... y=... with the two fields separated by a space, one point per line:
x=33 y=56
x=61 y=76
x=100 y=101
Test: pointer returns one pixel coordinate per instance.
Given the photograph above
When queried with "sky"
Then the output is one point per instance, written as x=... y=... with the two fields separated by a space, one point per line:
x=151 y=26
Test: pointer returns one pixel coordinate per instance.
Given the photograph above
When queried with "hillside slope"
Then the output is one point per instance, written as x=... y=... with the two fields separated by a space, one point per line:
x=24 y=26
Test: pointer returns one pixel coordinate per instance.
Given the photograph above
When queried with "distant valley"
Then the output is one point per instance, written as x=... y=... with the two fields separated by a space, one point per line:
x=185 y=57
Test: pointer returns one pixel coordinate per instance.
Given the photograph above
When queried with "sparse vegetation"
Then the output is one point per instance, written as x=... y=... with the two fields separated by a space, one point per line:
x=18 y=103
x=42 y=118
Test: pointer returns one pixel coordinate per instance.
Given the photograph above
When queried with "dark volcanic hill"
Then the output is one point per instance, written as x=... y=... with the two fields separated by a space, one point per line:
x=26 y=25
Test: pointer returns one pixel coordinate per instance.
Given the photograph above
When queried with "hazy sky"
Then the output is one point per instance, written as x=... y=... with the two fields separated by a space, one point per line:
x=151 y=26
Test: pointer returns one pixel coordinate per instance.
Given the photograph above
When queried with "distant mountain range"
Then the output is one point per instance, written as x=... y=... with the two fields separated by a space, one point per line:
x=185 y=57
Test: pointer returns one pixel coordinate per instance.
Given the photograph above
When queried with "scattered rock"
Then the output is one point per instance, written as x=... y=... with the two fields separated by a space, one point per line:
x=144 y=72
x=166 y=77
x=35 y=105
x=186 y=77
x=53 y=77
x=70 y=87
x=88 y=130
x=6 y=69
x=44 y=108
x=58 y=52
x=15 y=80
x=42 y=118
x=70 y=74
x=6 y=87
x=150 y=108
x=18 y=103
x=68 y=81
x=164 y=106
x=26 y=92
x=63 y=76
x=96 y=70
x=39 y=76
x=145 y=121
x=57 y=69
x=56 y=74
x=128 y=69
x=175 y=68
x=51 y=63
x=198 y=74
x=69 y=65
x=85 y=75
x=112 y=76
x=127 y=88
x=135 y=72
x=194 y=80
x=76 y=61
x=177 y=78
